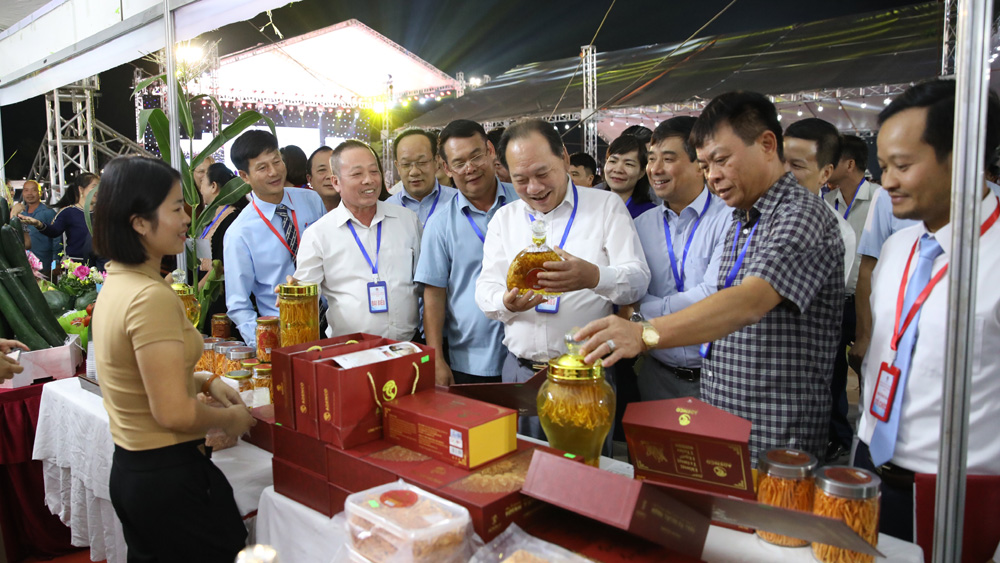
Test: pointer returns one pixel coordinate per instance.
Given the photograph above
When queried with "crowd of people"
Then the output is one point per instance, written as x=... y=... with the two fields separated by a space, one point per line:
x=741 y=263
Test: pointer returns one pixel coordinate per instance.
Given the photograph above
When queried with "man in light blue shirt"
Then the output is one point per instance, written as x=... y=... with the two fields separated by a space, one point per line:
x=451 y=258
x=683 y=241
x=261 y=244
x=415 y=151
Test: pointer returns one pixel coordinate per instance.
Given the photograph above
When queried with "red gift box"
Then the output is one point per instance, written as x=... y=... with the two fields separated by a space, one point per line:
x=302 y=450
x=262 y=433
x=690 y=443
x=454 y=429
x=350 y=400
x=281 y=373
x=302 y=486
x=349 y=469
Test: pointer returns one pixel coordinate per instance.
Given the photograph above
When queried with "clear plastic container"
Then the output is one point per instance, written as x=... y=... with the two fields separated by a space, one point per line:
x=853 y=495
x=219 y=361
x=397 y=522
x=207 y=360
x=235 y=355
x=786 y=481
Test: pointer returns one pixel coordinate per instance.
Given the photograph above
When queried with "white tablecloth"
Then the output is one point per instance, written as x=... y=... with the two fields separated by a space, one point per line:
x=74 y=443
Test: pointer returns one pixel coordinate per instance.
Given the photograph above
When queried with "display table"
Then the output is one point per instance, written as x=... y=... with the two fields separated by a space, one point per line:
x=303 y=535
x=27 y=527
x=74 y=444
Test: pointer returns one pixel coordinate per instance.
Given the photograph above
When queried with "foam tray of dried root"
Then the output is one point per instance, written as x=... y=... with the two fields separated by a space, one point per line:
x=397 y=522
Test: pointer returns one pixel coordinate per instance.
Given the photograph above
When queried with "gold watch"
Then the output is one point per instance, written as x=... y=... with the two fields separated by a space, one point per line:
x=650 y=336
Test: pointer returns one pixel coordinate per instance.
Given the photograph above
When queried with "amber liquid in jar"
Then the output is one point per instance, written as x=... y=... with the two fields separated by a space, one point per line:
x=221 y=327
x=268 y=337
x=192 y=308
x=298 y=313
x=524 y=269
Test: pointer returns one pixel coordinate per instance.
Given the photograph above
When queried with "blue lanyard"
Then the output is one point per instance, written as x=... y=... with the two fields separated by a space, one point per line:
x=217 y=215
x=433 y=206
x=836 y=204
x=629 y=202
x=572 y=216
x=679 y=273
x=378 y=246
x=739 y=259
x=475 y=227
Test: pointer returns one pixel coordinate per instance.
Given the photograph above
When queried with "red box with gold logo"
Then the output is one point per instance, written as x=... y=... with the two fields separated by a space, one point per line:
x=281 y=374
x=454 y=429
x=350 y=401
x=690 y=443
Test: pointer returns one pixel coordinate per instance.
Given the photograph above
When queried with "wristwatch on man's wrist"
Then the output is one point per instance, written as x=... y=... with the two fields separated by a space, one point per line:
x=650 y=336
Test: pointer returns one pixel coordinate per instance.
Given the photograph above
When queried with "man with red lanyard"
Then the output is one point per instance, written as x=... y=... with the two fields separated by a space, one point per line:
x=260 y=246
x=900 y=428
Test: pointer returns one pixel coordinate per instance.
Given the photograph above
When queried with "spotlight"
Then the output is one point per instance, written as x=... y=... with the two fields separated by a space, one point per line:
x=779 y=117
x=887 y=101
x=819 y=108
x=799 y=113
x=864 y=105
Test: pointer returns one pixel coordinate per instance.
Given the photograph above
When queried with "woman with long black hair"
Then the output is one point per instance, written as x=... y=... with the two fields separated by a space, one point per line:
x=173 y=502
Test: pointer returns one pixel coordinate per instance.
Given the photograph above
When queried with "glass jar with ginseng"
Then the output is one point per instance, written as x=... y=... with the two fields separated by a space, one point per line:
x=262 y=385
x=576 y=406
x=267 y=337
x=219 y=361
x=207 y=360
x=235 y=356
x=192 y=308
x=242 y=379
x=298 y=313
x=786 y=481
x=221 y=326
x=852 y=495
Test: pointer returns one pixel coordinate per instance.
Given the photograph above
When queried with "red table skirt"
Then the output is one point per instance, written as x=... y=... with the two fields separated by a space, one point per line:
x=28 y=528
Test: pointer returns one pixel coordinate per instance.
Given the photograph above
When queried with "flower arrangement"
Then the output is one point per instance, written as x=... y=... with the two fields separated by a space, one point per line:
x=35 y=263
x=78 y=278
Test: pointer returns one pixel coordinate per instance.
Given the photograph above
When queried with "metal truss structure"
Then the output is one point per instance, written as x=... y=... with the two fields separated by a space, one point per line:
x=948 y=37
x=589 y=111
x=387 y=166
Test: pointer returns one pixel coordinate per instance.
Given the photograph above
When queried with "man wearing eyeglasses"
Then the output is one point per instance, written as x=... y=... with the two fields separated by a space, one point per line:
x=415 y=151
x=451 y=257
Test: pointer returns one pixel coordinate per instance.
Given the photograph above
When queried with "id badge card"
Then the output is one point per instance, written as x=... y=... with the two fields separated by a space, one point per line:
x=885 y=392
x=551 y=306
x=378 y=297
x=705 y=350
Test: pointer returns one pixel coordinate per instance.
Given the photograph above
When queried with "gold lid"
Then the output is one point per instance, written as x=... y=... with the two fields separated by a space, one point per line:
x=238 y=374
x=249 y=364
x=262 y=370
x=182 y=289
x=267 y=320
x=298 y=290
x=572 y=366
x=220 y=317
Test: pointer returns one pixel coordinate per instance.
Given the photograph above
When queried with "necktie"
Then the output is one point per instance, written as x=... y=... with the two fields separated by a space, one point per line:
x=288 y=227
x=884 y=438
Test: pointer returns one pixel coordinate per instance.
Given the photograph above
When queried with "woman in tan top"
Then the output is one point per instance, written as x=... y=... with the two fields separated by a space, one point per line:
x=174 y=504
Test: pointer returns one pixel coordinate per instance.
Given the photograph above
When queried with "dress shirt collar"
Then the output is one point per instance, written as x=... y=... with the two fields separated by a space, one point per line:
x=943 y=235
x=695 y=206
x=405 y=195
x=268 y=208
x=499 y=200
x=342 y=215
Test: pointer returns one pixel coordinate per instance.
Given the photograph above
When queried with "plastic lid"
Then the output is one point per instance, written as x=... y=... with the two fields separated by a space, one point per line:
x=787 y=463
x=267 y=320
x=406 y=511
x=298 y=290
x=220 y=347
x=847 y=482
x=210 y=342
x=240 y=352
x=238 y=374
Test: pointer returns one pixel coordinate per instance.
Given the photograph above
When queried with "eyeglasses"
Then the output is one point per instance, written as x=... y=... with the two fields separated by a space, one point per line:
x=476 y=162
x=406 y=166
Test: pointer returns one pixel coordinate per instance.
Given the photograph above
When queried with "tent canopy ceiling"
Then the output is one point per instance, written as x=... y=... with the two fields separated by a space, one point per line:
x=307 y=69
x=885 y=48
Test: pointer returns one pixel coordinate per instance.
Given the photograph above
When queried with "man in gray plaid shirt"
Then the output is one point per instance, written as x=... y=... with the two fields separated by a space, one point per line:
x=773 y=327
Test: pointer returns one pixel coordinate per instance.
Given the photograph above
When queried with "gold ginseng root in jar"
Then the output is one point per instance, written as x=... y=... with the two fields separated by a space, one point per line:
x=298 y=313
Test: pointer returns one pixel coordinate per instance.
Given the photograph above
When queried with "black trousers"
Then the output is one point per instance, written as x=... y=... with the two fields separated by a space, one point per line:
x=840 y=428
x=175 y=505
x=896 y=515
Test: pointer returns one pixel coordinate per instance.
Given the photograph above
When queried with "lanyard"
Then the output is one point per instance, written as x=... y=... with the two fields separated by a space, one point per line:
x=475 y=227
x=433 y=206
x=897 y=332
x=629 y=202
x=572 y=216
x=378 y=246
x=739 y=259
x=284 y=242
x=836 y=204
x=679 y=273
x=217 y=215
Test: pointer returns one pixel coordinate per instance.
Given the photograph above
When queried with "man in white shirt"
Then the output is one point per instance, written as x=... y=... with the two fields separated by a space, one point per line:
x=603 y=263
x=812 y=151
x=900 y=429
x=363 y=253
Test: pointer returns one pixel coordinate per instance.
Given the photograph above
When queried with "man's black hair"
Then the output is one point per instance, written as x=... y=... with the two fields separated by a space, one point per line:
x=250 y=145
x=429 y=135
x=585 y=161
x=460 y=129
x=525 y=128
x=749 y=114
x=679 y=126
x=821 y=132
x=854 y=148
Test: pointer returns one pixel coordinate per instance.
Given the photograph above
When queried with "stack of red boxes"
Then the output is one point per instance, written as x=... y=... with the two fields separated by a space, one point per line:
x=320 y=472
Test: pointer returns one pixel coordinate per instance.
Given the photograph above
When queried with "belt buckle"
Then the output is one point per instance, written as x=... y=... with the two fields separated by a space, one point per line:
x=684 y=374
